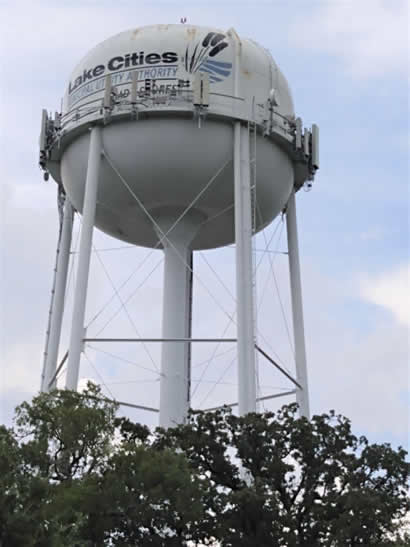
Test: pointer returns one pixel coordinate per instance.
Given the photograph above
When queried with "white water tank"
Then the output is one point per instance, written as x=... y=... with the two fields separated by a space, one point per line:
x=140 y=86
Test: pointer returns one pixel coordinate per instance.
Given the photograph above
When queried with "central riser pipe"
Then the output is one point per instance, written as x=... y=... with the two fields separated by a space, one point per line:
x=174 y=386
x=176 y=316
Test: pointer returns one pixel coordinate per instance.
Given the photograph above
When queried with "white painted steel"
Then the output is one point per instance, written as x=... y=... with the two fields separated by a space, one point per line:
x=167 y=163
x=57 y=309
x=180 y=54
x=176 y=317
x=302 y=395
x=167 y=158
x=258 y=400
x=244 y=272
x=80 y=295
x=139 y=340
x=164 y=156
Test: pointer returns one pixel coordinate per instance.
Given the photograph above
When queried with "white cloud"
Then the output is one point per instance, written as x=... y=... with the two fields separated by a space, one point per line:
x=374 y=233
x=347 y=366
x=370 y=36
x=390 y=290
x=364 y=379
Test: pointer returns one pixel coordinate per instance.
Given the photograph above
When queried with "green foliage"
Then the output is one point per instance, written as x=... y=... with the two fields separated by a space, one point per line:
x=68 y=434
x=73 y=474
x=283 y=480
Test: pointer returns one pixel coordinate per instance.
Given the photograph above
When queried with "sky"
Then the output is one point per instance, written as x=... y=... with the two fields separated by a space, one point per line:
x=347 y=65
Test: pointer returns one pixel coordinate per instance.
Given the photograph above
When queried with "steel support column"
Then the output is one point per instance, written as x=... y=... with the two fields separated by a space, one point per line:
x=57 y=308
x=80 y=296
x=302 y=395
x=244 y=271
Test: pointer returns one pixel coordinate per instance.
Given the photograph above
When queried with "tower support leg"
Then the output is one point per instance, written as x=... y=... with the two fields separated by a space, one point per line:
x=80 y=296
x=302 y=395
x=244 y=281
x=176 y=319
x=57 y=307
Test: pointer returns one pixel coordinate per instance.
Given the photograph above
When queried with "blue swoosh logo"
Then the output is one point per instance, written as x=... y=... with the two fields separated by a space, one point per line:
x=216 y=69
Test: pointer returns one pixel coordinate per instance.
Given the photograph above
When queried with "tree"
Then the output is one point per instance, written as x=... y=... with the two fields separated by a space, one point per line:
x=99 y=485
x=18 y=490
x=283 y=480
x=73 y=474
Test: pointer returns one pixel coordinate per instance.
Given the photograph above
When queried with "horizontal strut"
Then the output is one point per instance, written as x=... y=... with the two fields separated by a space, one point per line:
x=258 y=399
x=229 y=340
x=139 y=407
x=122 y=403
x=156 y=410
x=160 y=340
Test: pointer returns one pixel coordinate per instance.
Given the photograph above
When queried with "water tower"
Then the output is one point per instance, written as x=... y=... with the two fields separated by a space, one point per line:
x=168 y=137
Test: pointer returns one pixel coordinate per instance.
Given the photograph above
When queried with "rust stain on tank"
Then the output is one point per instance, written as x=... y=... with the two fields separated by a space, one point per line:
x=134 y=33
x=246 y=73
x=191 y=32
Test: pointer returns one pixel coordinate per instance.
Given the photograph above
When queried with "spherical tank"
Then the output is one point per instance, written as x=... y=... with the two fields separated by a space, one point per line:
x=160 y=149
